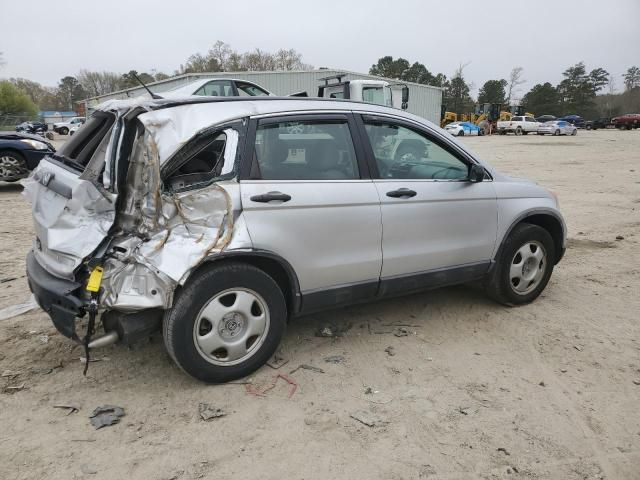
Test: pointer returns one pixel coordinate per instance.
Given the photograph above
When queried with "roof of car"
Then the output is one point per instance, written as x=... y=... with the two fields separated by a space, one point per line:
x=189 y=88
x=222 y=108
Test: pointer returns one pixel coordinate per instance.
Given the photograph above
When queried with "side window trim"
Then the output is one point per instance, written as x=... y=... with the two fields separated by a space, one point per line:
x=433 y=136
x=356 y=138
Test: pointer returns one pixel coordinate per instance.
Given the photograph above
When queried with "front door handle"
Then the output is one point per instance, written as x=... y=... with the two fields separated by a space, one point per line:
x=401 y=193
x=270 y=197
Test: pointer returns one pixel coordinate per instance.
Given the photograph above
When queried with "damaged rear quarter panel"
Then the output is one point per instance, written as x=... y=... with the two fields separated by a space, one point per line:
x=165 y=235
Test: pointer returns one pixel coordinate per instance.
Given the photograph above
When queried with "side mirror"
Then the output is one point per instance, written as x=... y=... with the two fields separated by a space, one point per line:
x=476 y=173
x=405 y=97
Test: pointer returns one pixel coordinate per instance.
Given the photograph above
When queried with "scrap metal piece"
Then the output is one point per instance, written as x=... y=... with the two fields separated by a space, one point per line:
x=106 y=415
x=207 y=412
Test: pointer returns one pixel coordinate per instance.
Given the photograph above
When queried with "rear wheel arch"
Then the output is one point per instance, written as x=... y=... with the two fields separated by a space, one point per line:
x=272 y=264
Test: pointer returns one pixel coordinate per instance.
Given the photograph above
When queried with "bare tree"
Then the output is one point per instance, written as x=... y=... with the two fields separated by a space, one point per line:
x=99 y=83
x=515 y=79
x=221 y=52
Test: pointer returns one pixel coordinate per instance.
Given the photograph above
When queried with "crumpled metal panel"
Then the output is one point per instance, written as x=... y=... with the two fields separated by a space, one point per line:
x=69 y=229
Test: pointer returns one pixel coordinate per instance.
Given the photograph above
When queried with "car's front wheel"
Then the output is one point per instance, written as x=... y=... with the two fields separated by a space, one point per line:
x=225 y=323
x=64 y=131
x=524 y=266
x=12 y=166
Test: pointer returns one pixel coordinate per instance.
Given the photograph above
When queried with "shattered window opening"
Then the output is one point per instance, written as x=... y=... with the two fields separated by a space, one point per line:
x=205 y=164
x=81 y=146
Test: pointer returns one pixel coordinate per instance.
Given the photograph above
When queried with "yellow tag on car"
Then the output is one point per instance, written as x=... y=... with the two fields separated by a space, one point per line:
x=95 y=279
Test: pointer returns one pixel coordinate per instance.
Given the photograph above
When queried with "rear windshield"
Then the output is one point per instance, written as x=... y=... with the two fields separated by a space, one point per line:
x=83 y=144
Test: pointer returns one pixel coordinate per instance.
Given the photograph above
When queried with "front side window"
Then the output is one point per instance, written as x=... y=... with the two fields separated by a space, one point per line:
x=516 y=119
x=305 y=150
x=402 y=153
x=216 y=88
x=249 y=90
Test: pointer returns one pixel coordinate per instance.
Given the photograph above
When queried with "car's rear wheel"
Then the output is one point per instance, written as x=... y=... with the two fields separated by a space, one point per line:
x=524 y=266
x=518 y=131
x=575 y=132
x=556 y=133
x=225 y=323
x=13 y=166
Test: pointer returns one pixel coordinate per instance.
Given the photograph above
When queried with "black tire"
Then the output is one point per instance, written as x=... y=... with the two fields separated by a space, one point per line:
x=12 y=173
x=64 y=131
x=575 y=132
x=589 y=127
x=498 y=284
x=556 y=133
x=518 y=131
x=179 y=321
x=461 y=133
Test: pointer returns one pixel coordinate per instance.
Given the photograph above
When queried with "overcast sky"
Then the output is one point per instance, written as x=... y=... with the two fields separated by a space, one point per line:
x=45 y=43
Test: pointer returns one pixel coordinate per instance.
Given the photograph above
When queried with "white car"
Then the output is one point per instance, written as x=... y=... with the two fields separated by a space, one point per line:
x=63 y=128
x=460 y=129
x=217 y=87
x=557 y=127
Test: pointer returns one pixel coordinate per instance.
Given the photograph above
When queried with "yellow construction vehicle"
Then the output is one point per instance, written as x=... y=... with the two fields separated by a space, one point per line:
x=448 y=117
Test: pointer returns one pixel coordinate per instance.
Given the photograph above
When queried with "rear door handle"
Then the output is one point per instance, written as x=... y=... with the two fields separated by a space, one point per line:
x=401 y=193
x=270 y=197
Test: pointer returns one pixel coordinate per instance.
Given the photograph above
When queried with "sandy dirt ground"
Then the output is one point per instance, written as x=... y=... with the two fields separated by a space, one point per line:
x=474 y=390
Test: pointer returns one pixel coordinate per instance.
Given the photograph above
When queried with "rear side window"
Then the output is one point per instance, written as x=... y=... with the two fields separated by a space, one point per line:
x=201 y=161
x=216 y=88
x=516 y=119
x=83 y=144
x=307 y=150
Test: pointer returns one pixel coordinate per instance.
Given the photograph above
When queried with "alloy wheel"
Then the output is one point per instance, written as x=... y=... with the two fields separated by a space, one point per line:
x=527 y=267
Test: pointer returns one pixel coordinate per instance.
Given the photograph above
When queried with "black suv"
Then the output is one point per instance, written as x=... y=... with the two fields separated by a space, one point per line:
x=602 y=122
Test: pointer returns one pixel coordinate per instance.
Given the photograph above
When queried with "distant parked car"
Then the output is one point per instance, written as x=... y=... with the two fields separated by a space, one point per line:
x=460 y=129
x=576 y=120
x=20 y=153
x=628 y=121
x=63 y=128
x=217 y=87
x=31 y=127
x=545 y=118
x=520 y=125
x=602 y=122
x=557 y=127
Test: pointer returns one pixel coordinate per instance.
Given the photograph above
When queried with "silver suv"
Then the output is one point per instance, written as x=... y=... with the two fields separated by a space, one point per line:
x=217 y=219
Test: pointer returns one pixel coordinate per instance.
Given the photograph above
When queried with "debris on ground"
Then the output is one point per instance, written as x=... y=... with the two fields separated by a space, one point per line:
x=88 y=470
x=277 y=361
x=369 y=419
x=208 y=412
x=368 y=391
x=257 y=392
x=106 y=415
x=13 y=388
x=463 y=410
x=8 y=279
x=619 y=237
x=390 y=351
x=15 y=310
x=578 y=347
x=69 y=407
x=503 y=450
x=9 y=374
x=401 y=332
x=325 y=331
x=636 y=382
x=542 y=384
x=304 y=366
x=563 y=370
x=334 y=359
x=44 y=338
